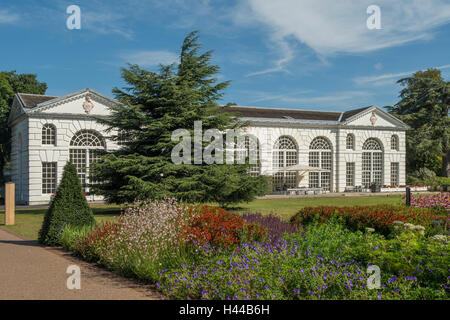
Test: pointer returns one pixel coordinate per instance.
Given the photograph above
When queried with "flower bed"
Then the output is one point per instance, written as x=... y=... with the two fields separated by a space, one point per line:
x=204 y=252
x=380 y=217
x=218 y=228
x=430 y=201
x=275 y=227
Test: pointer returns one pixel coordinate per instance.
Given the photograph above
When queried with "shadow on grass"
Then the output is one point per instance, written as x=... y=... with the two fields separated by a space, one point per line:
x=106 y=211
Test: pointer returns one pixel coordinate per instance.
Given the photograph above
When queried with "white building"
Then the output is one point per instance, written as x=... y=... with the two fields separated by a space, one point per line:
x=358 y=147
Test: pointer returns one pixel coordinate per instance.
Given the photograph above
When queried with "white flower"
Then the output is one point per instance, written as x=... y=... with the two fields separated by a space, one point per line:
x=440 y=237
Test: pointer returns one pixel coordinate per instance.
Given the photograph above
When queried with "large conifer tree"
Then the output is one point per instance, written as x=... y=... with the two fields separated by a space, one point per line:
x=154 y=105
x=424 y=105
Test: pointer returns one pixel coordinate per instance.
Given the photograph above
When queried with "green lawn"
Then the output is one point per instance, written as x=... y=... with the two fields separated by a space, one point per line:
x=29 y=221
x=288 y=207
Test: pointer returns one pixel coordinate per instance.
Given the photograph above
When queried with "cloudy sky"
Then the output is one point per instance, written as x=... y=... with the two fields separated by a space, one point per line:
x=306 y=54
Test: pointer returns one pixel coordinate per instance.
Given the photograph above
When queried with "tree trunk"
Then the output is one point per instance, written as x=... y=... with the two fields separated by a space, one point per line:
x=446 y=164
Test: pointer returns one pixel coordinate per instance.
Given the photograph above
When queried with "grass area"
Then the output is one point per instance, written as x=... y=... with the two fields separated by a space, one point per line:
x=286 y=208
x=29 y=221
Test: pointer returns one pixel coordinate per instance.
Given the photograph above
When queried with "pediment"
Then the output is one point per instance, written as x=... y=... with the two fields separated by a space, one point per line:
x=86 y=102
x=16 y=110
x=375 y=117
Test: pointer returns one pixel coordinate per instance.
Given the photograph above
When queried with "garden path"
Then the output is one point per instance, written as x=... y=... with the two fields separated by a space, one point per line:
x=31 y=271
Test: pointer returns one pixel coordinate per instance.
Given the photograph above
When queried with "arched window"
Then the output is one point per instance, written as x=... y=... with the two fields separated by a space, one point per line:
x=248 y=152
x=320 y=156
x=285 y=154
x=350 y=143
x=394 y=142
x=85 y=148
x=372 y=163
x=49 y=134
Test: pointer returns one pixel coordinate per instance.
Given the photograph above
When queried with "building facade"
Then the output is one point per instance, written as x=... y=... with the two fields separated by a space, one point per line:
x=356 y=148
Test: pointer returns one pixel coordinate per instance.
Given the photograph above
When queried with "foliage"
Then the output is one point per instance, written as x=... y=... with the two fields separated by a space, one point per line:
x=286 y=270
x=218 y=228
x=155 y=104
x=424 y=106
x=381 y=217
x=68 y=207
x=146 y=235
x=429 y=201
x=421 y=176
x=427 y=177
x=70 y=235
x=91 y=245
x=325 y=261
x=11 y=83
x=275 y=226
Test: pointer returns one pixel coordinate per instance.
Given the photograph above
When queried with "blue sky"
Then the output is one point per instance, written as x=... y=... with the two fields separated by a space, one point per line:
x=304 y=54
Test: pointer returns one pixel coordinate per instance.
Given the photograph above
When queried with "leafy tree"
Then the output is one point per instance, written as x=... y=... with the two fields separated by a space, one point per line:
x=68 y=207
x=424 y=105
x=11 y=83
x=154 y=105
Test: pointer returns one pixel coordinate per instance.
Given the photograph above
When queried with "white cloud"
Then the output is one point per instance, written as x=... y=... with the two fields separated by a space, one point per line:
x=329 y=26
x=287 y=54
x=336 y=100
x=8 y=17
x=388 y=78
x=150 y=58
x=105 y=22
x=378 y=66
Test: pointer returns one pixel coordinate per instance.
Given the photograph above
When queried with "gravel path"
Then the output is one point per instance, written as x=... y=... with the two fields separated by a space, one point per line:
x=31 y=271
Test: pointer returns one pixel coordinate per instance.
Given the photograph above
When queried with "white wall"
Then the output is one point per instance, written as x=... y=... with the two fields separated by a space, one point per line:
x=19 y=160
x=303 y=136
x=38 y=153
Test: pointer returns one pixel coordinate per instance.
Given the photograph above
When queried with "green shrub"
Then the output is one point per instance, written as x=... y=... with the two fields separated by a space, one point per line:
x=313 y=266
x=380 y=217
x=68 y=207
x=73 y=234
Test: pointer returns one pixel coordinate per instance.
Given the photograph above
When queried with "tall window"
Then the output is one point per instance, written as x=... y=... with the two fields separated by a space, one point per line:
x=249 y=152
x=394 y=142
x=320 y=157
x=395 y=173
x=350 y=174
x=372 y=163
x=85 y=148
x=49 y=176
x=49 y=134
x=285 y=154
x=350 y=143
